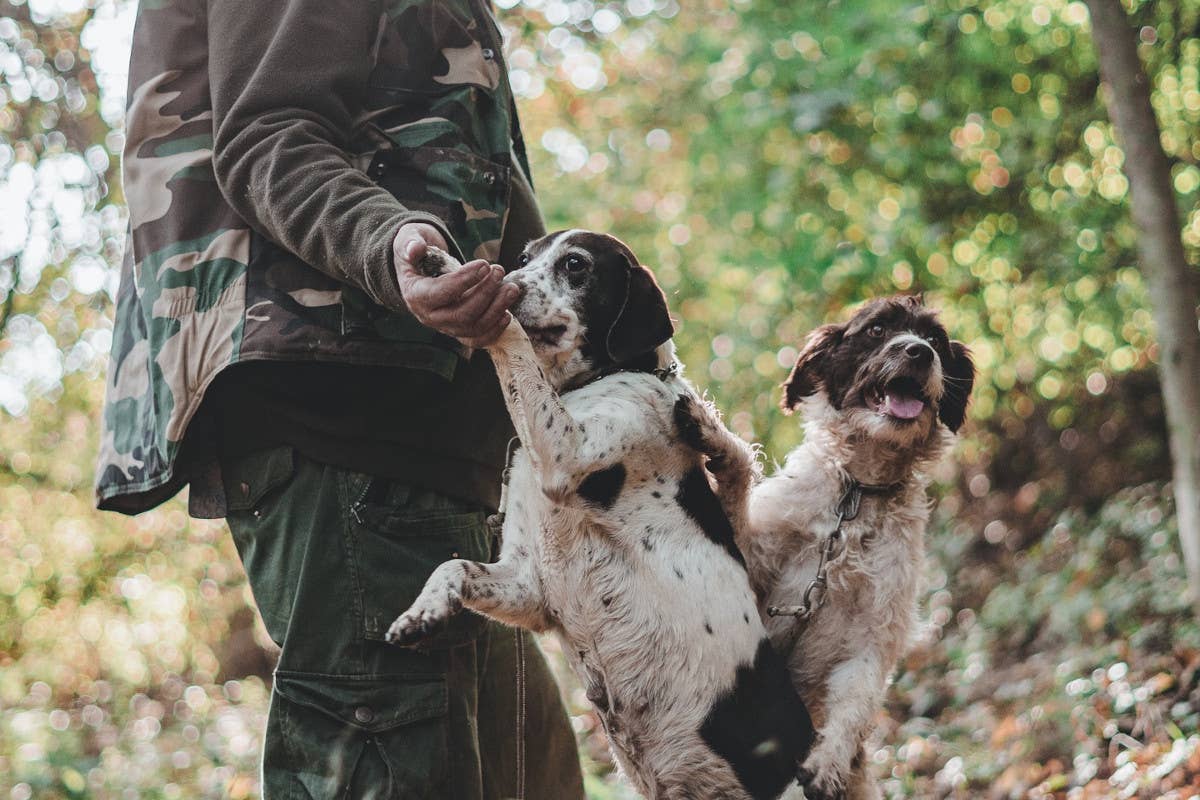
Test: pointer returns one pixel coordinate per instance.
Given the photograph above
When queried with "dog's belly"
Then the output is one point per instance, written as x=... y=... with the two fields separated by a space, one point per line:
x=672 y=653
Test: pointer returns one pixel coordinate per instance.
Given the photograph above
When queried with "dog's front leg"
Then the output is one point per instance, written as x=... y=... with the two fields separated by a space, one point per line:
x=507 y=591
x=557 y=443
x=731 y=460
x=854 y=692
x=549 y=433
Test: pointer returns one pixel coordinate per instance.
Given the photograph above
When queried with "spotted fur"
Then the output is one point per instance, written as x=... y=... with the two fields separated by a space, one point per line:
x=617 y=543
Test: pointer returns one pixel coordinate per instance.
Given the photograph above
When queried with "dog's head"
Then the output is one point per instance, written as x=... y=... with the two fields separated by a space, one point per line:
x=587 y=304
x=891 y=371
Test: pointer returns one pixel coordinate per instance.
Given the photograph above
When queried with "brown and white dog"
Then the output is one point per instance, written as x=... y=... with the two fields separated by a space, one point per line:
x=881 y=396
x=615 y=541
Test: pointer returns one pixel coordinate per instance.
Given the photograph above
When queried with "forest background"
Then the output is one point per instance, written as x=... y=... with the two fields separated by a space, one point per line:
x=776 y=162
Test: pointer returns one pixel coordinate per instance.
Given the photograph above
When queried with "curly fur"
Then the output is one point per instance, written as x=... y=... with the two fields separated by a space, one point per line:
x=849 y=382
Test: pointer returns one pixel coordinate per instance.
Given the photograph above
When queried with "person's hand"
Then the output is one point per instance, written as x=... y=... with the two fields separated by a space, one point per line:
x=470 y=304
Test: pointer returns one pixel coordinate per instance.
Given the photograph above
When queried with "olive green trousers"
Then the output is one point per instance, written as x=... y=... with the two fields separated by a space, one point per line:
x=332 y=557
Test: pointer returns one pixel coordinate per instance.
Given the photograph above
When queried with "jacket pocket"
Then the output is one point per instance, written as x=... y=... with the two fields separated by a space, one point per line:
x=469 y=195
x=394 y=523
x=467 y=192
x=352 y=736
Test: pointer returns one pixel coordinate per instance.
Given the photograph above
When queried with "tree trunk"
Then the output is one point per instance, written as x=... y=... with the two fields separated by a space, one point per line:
x=1171 y=283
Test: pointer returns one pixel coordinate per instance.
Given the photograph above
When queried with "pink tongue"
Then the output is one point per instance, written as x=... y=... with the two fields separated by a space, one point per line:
x=903 y=407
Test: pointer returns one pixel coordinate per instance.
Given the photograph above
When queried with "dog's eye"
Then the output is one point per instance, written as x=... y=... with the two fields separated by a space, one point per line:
x=875 y=330
x=574 y=263
x=523 y=260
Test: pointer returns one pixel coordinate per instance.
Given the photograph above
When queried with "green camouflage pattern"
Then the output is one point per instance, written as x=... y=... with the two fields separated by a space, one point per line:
x=200 y=290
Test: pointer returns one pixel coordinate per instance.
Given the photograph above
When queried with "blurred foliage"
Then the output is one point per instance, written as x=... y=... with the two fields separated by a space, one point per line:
x=775 y=162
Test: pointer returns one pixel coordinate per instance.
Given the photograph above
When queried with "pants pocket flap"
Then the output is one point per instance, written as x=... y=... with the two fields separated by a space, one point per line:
x=250 y=478
x=373 y=704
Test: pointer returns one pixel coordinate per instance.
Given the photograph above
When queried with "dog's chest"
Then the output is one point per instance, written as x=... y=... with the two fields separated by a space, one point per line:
x=872 y=576
x=640 y=595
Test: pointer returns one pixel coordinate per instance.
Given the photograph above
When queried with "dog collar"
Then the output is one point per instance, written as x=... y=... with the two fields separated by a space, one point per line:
x=847 y=508
x=662 y=373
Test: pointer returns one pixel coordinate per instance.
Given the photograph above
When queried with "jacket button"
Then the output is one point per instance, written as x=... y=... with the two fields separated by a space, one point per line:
x=364 y=714
x=488 y=53
x=489 y=178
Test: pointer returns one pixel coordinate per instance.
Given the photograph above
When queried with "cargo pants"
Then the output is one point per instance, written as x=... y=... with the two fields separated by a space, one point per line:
x=332 y=557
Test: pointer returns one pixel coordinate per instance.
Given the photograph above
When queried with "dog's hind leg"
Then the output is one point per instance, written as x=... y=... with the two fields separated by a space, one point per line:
x=859 y=783
x=731 y=460
x=507 y=591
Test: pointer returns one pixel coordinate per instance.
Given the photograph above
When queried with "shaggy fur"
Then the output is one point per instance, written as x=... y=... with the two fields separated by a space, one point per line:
x=881 y=396
x=615 y=541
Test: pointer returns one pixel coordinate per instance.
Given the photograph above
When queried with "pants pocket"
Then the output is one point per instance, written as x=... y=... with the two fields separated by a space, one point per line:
x=415 y=530
x=354 y=737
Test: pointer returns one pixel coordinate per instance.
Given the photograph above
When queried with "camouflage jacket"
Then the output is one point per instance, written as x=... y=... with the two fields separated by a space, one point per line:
x=272 y=150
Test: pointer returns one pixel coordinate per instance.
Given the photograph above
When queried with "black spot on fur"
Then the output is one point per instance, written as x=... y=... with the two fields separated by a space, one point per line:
x=696 y=498
x=598 y=695
x=603 y=486
x=708 y=627
x=656 y=494
x=686 y=423
x=678 y=573
x=646 y=544
x=746 y=617
x=761 y=726
x=606 y=600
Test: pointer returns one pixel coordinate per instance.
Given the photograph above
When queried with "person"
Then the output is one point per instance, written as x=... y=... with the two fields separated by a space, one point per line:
x=285 y=165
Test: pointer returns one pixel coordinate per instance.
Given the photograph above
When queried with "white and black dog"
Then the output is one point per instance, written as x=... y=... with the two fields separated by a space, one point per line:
x=615 y=540
x=881 y=396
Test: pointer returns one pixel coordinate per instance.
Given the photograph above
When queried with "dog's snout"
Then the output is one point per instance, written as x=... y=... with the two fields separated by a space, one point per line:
x=919 y=353
x=514 y=279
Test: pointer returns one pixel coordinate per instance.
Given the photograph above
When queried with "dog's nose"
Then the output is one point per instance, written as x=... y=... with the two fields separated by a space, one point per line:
x=513 y=279
x=919 y=352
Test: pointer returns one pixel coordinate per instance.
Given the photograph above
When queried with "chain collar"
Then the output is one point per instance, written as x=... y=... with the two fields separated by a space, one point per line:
x=847 y=508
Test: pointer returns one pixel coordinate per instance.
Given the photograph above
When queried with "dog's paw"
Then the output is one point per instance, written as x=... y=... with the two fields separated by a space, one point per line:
x=420 y=623
x=437 y=262
x=821 y=782
x=695 y=424
x=700 y=428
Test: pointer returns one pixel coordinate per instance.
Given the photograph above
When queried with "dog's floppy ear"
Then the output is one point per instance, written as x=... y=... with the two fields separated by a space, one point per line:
x=805 y=375
x=959 y=377
x=643 y=323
